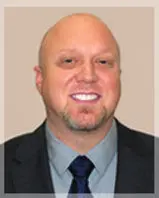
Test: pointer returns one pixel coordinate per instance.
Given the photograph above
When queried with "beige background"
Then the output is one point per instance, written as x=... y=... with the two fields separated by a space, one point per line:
x=24 y=28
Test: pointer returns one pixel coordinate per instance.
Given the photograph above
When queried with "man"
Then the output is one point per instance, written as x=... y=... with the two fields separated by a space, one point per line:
x=81 y=147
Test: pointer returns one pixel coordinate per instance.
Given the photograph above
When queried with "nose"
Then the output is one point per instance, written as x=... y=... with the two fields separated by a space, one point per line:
x=87 y=73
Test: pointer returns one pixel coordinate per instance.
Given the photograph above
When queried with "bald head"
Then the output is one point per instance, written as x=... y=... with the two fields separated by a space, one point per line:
x=75 y=25
x=79 y=57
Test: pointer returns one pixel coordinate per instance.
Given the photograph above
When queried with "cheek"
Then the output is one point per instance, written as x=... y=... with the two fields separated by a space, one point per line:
x=114 y=85
x=56 y=90
x=112 y=89
x=112 y=82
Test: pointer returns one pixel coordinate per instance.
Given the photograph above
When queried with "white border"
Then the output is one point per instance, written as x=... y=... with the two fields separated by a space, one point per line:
x=1 y=72
x=156 y=72
x=82 y=3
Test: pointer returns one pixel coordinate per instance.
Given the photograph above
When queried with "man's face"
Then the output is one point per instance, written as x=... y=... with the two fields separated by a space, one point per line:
x=80 y=76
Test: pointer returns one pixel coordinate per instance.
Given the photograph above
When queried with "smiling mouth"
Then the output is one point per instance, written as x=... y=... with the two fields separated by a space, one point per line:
x=85 y=97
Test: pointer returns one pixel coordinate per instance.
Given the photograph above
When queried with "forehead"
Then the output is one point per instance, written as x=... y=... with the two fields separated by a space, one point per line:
x=81 y=33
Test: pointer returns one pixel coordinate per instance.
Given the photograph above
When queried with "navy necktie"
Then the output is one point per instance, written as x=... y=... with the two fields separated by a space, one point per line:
x=81 y=169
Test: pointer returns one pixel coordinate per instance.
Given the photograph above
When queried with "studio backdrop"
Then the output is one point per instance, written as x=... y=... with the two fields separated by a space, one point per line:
x=24 y=29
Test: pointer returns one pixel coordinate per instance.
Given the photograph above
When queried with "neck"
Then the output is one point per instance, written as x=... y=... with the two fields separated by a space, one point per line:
x=79 y=141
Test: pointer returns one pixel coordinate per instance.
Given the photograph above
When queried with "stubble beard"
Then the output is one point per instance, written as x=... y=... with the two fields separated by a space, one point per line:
x=76 y=125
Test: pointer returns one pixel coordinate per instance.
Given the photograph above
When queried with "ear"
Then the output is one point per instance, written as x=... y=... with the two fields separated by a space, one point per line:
x=38 y=78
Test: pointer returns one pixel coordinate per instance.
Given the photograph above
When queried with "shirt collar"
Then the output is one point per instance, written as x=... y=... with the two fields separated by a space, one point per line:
x=102 y=154
x=60 y=155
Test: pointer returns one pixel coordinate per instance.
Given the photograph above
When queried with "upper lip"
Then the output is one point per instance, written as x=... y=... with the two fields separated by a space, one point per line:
x=84 y=92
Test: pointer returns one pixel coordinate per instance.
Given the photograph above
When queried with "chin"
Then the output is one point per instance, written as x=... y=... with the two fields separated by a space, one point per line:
x=84 y=126
x=85 y=121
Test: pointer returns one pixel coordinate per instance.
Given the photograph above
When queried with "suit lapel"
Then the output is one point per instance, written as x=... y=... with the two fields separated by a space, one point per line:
x=31 y=171
x=129 y=177
x=133 y=175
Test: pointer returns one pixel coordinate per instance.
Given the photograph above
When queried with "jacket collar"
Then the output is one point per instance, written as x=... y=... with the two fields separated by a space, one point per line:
x=31 y=172
x=133 y=162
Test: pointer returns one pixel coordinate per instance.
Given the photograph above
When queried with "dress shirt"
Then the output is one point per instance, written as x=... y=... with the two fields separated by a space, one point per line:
x=103 y=156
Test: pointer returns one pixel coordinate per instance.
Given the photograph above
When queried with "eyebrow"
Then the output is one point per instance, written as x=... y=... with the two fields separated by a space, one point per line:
x=66 y=50
x=104 y=51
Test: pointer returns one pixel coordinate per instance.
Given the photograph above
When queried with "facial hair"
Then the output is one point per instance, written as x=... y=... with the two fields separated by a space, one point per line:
x=74 y=125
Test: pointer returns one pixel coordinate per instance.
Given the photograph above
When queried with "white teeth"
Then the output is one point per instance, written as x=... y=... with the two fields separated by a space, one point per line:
x=85 y=96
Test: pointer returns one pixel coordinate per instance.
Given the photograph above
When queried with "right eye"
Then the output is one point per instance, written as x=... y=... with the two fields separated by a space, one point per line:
x=68 y=60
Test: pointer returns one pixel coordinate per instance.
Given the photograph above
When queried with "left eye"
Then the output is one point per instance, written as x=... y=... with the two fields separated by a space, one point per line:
x=103 y=61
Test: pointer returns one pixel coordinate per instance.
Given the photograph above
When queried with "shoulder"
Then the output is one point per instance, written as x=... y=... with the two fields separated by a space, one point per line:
x=142 y=143
x=24 y=142
x=12 y=145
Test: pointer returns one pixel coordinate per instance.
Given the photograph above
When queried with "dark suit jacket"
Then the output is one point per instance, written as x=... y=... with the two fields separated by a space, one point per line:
x=27 y=168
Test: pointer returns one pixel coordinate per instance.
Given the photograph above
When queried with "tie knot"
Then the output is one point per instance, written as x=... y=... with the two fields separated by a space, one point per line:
x=81 y=167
